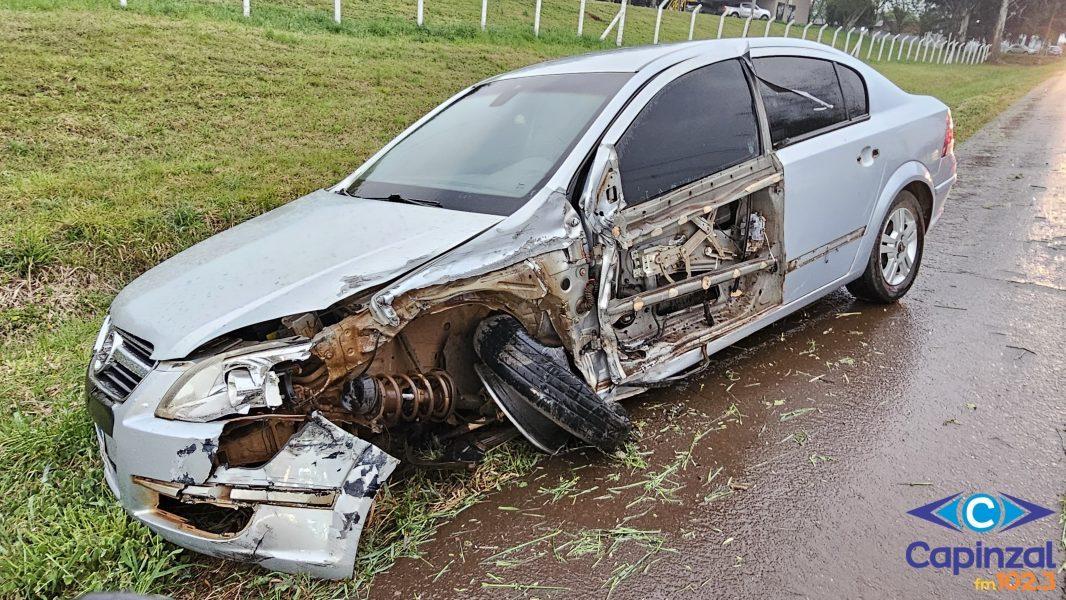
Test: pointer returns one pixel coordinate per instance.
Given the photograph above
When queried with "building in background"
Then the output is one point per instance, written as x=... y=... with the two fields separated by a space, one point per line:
x=786 y=10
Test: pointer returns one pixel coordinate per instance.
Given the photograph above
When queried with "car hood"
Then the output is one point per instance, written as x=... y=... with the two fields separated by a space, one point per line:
x=300 y=257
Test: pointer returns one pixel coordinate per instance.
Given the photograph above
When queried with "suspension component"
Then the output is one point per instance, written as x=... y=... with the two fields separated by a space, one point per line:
x=389 y=399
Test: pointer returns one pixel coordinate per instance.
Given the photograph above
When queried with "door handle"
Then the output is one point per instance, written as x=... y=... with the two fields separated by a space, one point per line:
x=867 y=156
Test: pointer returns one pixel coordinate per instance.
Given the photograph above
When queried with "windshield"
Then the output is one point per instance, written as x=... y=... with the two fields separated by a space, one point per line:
x=492 y=149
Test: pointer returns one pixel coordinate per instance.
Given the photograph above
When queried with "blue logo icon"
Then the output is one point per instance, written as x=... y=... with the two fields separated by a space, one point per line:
x=980 y=512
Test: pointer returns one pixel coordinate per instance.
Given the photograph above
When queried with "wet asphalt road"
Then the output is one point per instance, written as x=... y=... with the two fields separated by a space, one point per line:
x=822 y=431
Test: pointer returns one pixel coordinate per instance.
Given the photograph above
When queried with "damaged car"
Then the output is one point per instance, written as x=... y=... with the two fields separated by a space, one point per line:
x=541 y=246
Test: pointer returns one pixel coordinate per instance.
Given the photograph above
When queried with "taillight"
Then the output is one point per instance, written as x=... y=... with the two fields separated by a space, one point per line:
x=949 y=137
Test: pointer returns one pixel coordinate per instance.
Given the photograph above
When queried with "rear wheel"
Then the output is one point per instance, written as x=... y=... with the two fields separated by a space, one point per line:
x=896 y=255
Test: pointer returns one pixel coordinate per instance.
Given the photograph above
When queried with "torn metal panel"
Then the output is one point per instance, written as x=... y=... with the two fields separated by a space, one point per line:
x=310 y=503
x=544 y=224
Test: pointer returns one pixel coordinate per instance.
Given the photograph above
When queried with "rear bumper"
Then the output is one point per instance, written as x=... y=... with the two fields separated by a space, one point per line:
x=305 y=508
x=946 y=180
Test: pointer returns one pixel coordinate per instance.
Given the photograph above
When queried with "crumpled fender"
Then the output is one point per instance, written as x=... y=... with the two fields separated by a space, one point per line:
x=536 y=228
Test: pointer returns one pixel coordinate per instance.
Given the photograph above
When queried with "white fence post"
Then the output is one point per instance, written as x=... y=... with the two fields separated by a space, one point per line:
x=484 y=13
x=247 y=7
x=857 y=50
x=421 y=12
x=621 y=24
x=337 y=11
x=536 y=20
x=911 y=47
x=692 y=21
x=122 y=3
x=747 y=24
x=789 y=26
x=835 y=34
x=581 y=19
x=847 y=39
x=881 y=48
x=721 y=23
x=873 y=41
x=659 y=20
x=766 y=32
x=805 y=28
x=899 y=53
x=821 y=30
x=610 y=26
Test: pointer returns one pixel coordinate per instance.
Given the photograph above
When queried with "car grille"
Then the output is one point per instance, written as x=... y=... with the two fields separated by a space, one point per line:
x=127 y=364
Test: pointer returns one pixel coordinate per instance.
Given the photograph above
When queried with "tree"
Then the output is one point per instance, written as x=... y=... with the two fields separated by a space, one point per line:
x=997 y=33
x=851 y=13
x=903 y=11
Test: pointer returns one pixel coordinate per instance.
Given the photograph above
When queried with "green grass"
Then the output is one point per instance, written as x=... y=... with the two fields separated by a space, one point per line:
x=127 y=135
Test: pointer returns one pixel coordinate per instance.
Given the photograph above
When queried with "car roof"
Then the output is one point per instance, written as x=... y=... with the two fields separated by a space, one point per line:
x=656 y=58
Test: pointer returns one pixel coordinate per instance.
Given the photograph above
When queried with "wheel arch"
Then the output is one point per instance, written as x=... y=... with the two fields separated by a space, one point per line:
x=912 y=176
x=924 y=193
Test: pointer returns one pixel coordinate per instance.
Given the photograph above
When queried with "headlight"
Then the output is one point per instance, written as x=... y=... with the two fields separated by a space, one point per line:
x=231 y=383
x=102 y=339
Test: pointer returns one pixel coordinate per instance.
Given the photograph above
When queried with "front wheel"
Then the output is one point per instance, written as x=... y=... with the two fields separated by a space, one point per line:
x=765 y=18
x=896 y=255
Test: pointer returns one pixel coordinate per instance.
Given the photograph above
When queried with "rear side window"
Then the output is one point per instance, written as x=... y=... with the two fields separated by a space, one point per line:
x=699 y=124
x=854 y=92
x=801 y=96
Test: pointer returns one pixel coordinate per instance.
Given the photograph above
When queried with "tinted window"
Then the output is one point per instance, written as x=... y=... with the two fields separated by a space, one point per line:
x=793 y=114
x=699 y=124
x=854 y=92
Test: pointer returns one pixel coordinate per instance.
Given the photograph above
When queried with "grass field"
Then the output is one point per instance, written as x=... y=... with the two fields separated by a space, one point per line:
x=127 y=135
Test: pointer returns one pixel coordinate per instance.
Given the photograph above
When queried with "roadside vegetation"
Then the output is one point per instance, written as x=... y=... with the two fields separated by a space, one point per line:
x=128 y=135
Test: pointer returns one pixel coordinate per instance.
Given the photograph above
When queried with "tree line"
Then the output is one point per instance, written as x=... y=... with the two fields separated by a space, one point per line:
x=962 y=19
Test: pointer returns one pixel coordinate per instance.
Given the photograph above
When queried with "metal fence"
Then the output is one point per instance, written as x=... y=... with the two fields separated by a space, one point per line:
x=868 y=46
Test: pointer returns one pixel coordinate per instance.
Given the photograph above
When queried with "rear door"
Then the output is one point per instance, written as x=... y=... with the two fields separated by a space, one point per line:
x=818 y=112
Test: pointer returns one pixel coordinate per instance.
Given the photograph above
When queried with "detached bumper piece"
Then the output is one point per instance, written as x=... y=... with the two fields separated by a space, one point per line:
x=301 y=512
x=538 y=391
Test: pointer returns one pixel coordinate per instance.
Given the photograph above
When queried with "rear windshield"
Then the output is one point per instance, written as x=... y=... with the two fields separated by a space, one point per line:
x=492 y=149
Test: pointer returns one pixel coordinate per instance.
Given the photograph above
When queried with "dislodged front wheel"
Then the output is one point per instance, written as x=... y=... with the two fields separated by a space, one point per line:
x=542 y=377
x=896 y=255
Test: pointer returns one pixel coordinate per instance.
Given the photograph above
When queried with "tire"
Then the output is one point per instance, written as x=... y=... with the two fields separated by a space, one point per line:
x=875 y=285
x=764 y=18
x=542 y=376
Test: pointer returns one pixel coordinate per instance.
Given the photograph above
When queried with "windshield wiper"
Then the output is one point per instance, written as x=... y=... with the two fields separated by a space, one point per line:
x=402 y=200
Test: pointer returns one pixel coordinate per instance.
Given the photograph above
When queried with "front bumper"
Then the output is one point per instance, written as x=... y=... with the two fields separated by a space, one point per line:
x=148 y=459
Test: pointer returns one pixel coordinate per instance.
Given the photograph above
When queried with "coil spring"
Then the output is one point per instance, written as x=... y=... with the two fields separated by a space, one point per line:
x=414 y=397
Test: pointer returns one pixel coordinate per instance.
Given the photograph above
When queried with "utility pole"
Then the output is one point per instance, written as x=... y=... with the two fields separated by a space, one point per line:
x=997 y=35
